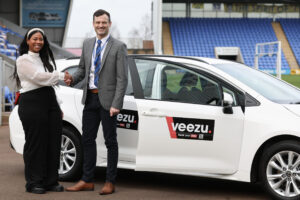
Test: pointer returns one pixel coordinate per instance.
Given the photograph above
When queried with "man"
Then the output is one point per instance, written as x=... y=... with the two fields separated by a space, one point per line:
x=103 y=66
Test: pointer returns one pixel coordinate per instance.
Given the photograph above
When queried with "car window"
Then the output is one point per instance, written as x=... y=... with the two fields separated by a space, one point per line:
x=169 y=82
x=268 y=86
x=129 y=90
x=146 y=71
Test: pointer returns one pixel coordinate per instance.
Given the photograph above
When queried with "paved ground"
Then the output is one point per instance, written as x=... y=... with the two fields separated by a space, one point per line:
x=130 y=185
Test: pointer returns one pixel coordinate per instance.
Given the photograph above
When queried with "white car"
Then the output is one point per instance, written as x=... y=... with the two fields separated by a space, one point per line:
x=193 y=116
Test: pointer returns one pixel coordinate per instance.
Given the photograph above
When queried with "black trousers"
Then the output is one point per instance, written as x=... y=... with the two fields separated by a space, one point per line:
x=93 y=114
x=42 y=123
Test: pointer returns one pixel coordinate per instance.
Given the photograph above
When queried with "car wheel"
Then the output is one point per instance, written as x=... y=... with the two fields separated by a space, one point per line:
x=280 y=170
x=70 y=155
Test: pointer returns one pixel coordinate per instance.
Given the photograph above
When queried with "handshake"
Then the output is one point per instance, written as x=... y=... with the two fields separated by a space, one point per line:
x=68 y=78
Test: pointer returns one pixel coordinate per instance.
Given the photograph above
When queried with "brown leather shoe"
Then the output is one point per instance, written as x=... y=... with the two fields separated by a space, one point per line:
x=81 y=186
x=108 y=188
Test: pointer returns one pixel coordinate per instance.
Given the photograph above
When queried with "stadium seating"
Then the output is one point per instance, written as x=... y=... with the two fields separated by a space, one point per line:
x=291 y=28
x=7 y=48
x=199 y=36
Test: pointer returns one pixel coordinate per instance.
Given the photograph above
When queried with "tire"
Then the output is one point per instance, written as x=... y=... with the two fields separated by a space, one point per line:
x=279 y=170
x=71 y=156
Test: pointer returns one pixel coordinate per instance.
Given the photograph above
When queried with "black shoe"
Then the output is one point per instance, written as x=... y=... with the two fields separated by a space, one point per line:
x=55 y=188
x=36 y=190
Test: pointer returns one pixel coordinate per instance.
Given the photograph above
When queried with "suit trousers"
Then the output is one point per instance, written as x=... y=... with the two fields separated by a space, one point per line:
x=42 y=123
x=93 y=114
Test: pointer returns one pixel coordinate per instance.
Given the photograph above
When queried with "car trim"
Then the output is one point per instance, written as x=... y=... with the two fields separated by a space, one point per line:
x=168 y=56
x=11 y=146
x=71 y=66
x=136 y=82
x=251 y=101
x=73 y=58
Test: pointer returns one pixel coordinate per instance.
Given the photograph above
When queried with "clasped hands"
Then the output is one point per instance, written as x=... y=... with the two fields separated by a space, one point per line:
x=68 y=78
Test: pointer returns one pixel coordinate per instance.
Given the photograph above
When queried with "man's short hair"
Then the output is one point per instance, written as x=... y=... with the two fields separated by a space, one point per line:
x=100 y=12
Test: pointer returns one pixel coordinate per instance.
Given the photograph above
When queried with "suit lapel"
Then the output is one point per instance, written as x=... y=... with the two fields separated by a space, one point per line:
x=89 y=51
x=107 y=48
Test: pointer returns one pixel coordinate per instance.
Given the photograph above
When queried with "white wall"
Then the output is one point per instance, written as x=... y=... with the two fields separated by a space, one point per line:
x=125 y=16
x=157 y=26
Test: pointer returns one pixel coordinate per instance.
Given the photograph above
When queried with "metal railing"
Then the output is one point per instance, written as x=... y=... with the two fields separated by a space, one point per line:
x=1 y=92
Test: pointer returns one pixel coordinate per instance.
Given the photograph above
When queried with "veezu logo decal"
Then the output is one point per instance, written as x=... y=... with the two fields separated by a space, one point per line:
x=128 y=119
x=190 y=128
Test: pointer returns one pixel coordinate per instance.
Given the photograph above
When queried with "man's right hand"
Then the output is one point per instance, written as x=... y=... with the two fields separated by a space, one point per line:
x=68 y=78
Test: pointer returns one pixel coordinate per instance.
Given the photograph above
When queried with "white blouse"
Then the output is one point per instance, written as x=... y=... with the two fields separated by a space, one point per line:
x=32 y=73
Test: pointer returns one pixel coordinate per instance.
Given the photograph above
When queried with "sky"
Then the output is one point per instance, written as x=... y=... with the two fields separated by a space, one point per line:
x=125 y=15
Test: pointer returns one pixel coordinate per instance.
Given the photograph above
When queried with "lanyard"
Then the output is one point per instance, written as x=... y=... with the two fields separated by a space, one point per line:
x=101 y=48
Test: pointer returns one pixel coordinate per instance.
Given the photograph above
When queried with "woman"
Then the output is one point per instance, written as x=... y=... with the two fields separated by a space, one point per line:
x=39 y=112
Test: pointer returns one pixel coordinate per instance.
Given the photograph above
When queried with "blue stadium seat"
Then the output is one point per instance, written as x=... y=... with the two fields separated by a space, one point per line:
x=199 y=36
x=291 y=28
x=9 y=98
x=7 y=48
x=12 y=46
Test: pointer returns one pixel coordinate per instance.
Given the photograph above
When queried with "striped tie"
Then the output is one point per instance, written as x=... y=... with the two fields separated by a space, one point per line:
x=97 y=63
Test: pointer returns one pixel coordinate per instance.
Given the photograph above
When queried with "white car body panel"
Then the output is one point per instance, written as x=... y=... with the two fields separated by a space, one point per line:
x=127 y=139
x=262 y=127
x=179 y=155
x=17 y=138
x=227 y=156
x=67 y=106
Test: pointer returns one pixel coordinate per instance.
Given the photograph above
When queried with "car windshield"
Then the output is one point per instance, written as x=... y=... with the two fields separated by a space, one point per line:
x=266 y=85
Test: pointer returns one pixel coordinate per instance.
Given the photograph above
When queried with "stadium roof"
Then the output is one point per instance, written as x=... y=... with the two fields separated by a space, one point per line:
x=231 y=1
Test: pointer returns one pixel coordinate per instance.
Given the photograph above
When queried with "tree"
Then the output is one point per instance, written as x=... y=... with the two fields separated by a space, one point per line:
x=144 y=32
x=145 y=27
x=115 y=31
x=134 y=39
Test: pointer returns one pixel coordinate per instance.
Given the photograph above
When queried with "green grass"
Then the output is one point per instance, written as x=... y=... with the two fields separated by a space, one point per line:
x=292 y=79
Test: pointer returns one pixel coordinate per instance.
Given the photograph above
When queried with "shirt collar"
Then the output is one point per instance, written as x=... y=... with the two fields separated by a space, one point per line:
x=33 y=54
x=103 y=40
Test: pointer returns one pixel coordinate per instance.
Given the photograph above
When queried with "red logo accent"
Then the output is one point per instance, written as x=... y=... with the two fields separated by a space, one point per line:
x=169 y=122
x=134 y=121
x=17 y=98
x=209 y=131
x=194 y=136
x=122 y=125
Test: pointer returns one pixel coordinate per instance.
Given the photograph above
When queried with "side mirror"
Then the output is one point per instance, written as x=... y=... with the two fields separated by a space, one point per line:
x=228 y=99
x=227 y=103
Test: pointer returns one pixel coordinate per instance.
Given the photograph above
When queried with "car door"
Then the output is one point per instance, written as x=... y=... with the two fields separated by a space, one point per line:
x=182 y=124
x=127 y=127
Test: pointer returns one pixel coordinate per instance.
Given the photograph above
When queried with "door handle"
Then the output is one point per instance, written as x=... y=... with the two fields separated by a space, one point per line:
x=153 y=113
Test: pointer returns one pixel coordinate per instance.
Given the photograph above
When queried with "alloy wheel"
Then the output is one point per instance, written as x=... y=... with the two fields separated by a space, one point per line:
x=283 y=173
x=67 y=155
